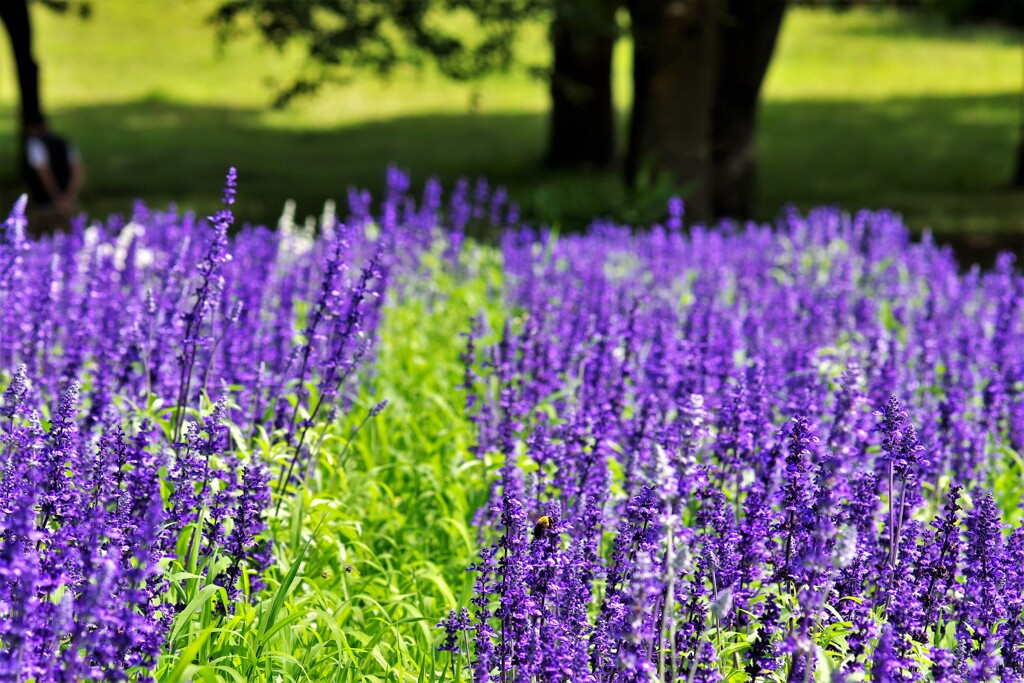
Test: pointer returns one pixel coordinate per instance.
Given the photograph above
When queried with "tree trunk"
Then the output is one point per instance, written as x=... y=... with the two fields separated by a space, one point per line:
x=1018 y=176
x=582 y=124
x=674 y=72
x=748 y=32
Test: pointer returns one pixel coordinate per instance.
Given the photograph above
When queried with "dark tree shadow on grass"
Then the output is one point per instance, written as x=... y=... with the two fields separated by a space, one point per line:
x=942 y=162
x=170 y=152
x=913 y=24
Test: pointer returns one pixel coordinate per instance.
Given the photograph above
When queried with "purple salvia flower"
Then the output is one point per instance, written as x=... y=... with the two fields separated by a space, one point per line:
x=847 y=430
x=378 y=408
x=984 y=602
x=676 y=211
x=706 y=670
x=798 y=492
x=245 y=545
x=230 y=186
x=762 y=655
x=943 y=668
x=483 y=650
x=885 y=666
x=902 y=456
x=58 y=497
x=517 y=608
x=454 y=625
x=939 y=564
x=13 y=399
x=1012 y=646
x=13 y=242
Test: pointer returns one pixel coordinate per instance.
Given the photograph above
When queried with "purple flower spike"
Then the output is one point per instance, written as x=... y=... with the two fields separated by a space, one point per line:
x=230 y=186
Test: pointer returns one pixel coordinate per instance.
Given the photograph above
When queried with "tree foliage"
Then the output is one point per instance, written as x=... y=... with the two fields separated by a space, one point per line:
x=466 y=39
x=1008 y=12
x=83 y=8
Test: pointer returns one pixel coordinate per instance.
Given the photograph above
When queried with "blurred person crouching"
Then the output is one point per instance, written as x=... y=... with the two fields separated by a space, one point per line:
x=54 y=172
x=52 y=168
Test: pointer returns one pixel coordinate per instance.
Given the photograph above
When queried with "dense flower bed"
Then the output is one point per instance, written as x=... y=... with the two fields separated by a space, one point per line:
x=145 y=357
x=763 y=453
x=749 y=453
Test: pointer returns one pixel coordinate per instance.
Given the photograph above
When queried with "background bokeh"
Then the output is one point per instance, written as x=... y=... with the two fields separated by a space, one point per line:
x=862 y=108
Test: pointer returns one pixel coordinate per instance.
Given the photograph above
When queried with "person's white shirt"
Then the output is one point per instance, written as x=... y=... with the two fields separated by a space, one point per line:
x=38 y=156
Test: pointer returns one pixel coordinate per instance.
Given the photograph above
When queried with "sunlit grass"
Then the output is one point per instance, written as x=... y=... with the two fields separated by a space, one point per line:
x=372 y=550
x=879 y=55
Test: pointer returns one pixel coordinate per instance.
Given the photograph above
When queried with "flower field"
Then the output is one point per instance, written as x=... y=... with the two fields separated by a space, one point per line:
x=366 y=448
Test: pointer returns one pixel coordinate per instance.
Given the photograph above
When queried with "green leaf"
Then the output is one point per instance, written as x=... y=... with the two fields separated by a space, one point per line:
x=185 y=616
x=184 y=668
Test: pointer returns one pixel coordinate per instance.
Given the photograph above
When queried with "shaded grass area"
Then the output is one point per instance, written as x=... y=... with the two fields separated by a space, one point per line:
x=179 y=152
x=922 y=156
x=862 y=109
x=943 y=162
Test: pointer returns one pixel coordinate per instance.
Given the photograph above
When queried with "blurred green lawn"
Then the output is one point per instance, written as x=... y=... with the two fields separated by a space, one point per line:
x=862 y=109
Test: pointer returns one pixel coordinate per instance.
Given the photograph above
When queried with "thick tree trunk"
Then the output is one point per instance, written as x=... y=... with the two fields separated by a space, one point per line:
x=748 y=32
x=674 y=72
x=582 y=124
